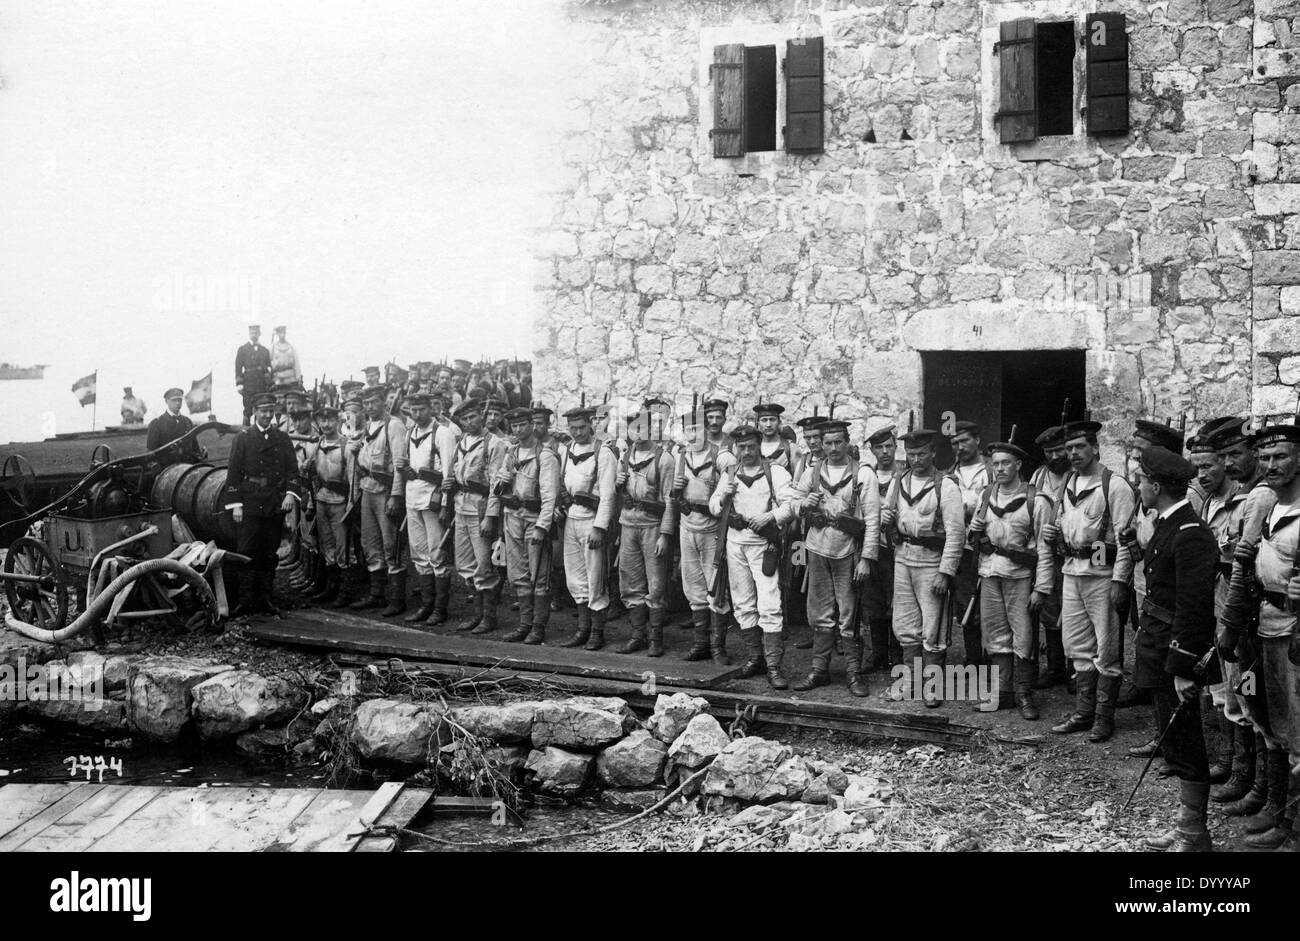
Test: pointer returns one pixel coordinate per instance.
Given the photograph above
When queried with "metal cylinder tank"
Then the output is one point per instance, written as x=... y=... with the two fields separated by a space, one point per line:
x=193 y=491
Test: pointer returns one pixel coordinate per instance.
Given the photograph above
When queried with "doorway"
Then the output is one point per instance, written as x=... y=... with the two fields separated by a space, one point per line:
x=999 y=389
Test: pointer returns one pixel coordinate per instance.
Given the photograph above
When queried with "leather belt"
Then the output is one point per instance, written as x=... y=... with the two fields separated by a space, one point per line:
x=1277 y=599
x=474 y=486
x=384 y=480
x=513 y=502
x=587 y=500
x=925 y=542
x=689 y=507
x=1160 y=613
x=1086 y=553
x=335 y=486
x=430 y=476
x=653 y=507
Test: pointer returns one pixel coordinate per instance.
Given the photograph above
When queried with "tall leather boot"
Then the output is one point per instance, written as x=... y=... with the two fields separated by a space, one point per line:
x=488 y=598
x=1085 y=705
x=855 y=677
x=527 y=609
x=755 y=663
x=773 y=654
x=973 y=643
x=541 y=617
x=597 y=638
x=396 y=595
x=1190 y=834
x=932 y=658
x=656 y=632
x=475 y=616
x=910 y=685
x=316 y=584
x=823 y=646
x=1222 y=755
x=1269 y=828
x=424 y=584
x=1291 y=844
x=1103 y=726
x=333 y=585
x=718 y=639
x=1056 y=672
x=374 y=598
x=1239 y=783
x=699 y=636
x=638 y=617
x=1257 y=796
x=247 y=588
x=1026 y=676
x=353 y=582
x=1004 y=663
x=442 y=598
x=880 y=635
x=584 y=627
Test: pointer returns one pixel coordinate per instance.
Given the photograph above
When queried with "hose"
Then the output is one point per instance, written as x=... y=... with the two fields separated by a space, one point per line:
x=101 y=603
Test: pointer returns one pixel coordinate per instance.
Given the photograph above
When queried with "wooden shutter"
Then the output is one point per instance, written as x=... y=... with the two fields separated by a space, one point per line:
x=728 y=76
x=1017 y=115
x=804 y=133
x=1107 y=45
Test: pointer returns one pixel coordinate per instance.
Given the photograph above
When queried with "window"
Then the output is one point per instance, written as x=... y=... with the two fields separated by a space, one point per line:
x=1037 y=68
x=746 y=98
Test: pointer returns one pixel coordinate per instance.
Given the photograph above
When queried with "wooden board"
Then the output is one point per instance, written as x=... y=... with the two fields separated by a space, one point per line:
x=341 y=631
x=130 y=818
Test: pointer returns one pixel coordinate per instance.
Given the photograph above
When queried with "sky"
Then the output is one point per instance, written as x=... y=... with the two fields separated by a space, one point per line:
x=365 y=173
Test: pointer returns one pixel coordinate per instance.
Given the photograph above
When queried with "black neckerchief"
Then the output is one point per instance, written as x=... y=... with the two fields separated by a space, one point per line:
x=914 y=499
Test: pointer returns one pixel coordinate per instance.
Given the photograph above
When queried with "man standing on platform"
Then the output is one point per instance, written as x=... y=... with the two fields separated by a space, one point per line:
x=285 y=368
x=1095 y=507
x=646 y=533
x=1016 y=569
x=381 y=499
x=1049 y=479
x=475 y=459
x=762 y=502
x=587 y=473
x=133 y=409
x=525 y=492
x=972 y=476
x=252 y=370
x=878 y=593
x=261 y=487
x=840 y=502
x=423 y=456
x=923 y=508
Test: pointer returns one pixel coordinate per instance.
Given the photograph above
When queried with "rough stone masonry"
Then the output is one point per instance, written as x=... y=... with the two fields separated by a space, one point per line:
x=1171 y=255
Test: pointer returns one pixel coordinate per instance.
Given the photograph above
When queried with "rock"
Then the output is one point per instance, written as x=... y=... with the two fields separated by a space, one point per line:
x=16 y=650
x=559 y=771
x=836 y=779
x=817 y=792
x=756 y=769
x=864 y=793
x=673 y=713
x=507 y=759
x=238 y=700
x=324 y=706
x=822 y=824
x=760 y=816
x=581 y=722
x=510 y=722
x=277 y=743
x=159 y=694
x=702 y=739
x=401 y=732
x=633 y=800
x=635 y=761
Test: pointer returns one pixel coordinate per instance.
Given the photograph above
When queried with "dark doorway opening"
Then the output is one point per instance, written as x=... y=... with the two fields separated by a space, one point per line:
x=760 y=98
x=999 y=389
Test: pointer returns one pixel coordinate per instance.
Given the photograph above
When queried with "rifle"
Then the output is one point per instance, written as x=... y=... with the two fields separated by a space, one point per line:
x=719 y=585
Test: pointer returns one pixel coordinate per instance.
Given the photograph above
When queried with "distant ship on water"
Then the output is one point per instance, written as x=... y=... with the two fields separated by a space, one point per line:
x=10 y=371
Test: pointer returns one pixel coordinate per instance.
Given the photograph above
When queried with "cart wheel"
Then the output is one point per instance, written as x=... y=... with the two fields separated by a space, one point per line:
x=43 y=603
x=18 y=478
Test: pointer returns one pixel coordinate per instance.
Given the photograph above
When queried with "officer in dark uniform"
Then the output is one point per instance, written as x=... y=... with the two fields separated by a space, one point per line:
x=252 y=370
x=261 y=486
x=1175 y=630
x=169 y=426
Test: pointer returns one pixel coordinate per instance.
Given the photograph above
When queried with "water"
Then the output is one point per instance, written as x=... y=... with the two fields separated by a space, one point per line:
x=32 y=753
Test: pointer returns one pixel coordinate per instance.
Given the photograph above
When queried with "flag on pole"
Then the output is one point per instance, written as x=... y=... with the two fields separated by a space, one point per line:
x=84 y=389
x=199 y=398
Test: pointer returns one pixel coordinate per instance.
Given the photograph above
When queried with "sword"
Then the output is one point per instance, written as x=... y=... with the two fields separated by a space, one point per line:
x=1152 y=757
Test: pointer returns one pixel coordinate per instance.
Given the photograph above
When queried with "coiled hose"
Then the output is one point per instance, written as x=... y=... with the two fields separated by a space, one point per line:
x=98 y=607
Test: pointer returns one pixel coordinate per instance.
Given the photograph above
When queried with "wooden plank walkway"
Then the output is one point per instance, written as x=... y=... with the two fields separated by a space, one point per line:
x=131 y=818
x=337 y=630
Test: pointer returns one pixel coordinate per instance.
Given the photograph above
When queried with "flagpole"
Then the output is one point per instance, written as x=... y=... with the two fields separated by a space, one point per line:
x=94 y=406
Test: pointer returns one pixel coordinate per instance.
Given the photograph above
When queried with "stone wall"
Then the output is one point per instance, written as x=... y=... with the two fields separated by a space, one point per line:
x=801 y=278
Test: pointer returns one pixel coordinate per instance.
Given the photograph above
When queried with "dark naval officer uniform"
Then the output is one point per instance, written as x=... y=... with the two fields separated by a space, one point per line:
x=261 y=470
